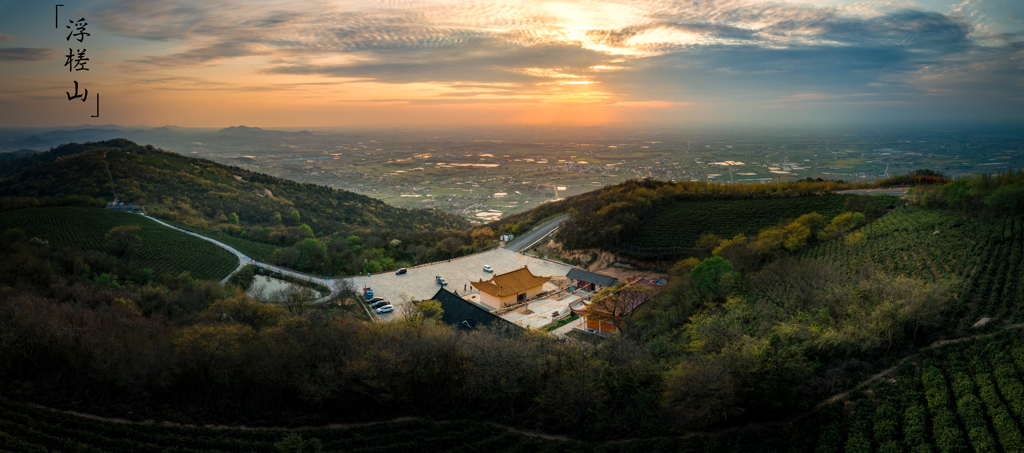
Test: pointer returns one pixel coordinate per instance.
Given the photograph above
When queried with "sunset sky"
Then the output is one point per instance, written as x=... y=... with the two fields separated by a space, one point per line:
x=407 y=63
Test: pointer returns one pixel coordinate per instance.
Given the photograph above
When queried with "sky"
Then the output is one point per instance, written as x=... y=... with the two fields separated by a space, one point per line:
x=217 y=63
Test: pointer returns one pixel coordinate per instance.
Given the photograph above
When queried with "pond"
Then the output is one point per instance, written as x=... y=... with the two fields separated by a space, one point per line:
x=265 y=286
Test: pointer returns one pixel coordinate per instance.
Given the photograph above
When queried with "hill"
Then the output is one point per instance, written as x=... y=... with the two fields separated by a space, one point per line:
x=677 y=225
x=162 y=249
x=617 y=214
x=201 y=191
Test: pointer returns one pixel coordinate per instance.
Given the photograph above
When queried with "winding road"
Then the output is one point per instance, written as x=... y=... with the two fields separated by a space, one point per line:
x=498 y=257
x=244 y=260
x=533 y=236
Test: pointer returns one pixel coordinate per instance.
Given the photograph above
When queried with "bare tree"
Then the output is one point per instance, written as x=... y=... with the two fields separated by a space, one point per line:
x=345 y=291
x=618 y=303
x=294 y=297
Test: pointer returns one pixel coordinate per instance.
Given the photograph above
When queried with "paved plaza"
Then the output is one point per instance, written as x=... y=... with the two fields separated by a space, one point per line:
x=419 y=283
x=539 y=313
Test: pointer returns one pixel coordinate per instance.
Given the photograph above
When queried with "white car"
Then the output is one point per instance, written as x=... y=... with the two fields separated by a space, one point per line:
x=385 y=309
x=488 y=268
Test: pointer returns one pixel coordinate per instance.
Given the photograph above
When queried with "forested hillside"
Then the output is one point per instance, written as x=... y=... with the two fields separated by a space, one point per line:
x=201 y=191
x=301 y=226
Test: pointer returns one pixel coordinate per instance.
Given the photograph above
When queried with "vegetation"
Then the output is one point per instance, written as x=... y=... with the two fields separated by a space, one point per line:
x=937 y=245
x=135 y=242
x=200 y=191
x=982 y=195
x=756 y=327
x=305 y=227
x=918 y=177
x=679 y=224
x=256 y=250
x=961 y=397
x=605 y=218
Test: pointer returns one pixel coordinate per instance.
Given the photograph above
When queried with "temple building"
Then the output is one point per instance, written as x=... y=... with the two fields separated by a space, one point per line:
x=510 y=288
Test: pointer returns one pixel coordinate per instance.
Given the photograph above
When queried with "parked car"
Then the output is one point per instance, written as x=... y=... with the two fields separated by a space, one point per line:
x=385 y=309
x=488 y=268
x=401 y=271
x=380 y=304
x=441 y=281
x=374 y=300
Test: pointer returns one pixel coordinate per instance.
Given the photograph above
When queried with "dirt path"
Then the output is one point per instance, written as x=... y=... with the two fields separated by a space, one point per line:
x=122 y=421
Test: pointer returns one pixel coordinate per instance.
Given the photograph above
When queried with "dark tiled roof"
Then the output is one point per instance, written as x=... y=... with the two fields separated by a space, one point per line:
x=590 y=277
x=510 y=283
x=463 y=314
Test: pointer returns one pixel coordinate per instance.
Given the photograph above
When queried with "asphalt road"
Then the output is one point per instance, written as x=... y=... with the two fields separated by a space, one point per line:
x=524 y=241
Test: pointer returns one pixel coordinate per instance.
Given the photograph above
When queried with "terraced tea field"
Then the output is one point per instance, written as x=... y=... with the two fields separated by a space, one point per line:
x=163 y=249
x=680 y=224
x=986 y=256
x=258 y=250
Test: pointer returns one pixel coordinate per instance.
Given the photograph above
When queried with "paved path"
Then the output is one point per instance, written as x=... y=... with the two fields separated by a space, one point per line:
x=243 y=260
x=536 y=234
x=899 y=191
x=562 y=331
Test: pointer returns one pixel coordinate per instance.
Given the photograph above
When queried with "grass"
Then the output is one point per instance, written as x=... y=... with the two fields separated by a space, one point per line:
x=163 y=249
x=562 y=322
x=356 y=309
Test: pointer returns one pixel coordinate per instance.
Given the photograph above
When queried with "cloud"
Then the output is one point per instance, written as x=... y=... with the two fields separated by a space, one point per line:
x=6 y=38
x=668 y=51
x=25 y=54
x=486 y=61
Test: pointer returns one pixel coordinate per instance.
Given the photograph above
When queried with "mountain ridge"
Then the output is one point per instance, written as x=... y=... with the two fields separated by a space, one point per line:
x=188 y=188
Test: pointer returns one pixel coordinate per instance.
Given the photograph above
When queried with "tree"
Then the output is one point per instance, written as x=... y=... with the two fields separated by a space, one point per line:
x=700 y=390
x=841 y=224
x=372 y=267
x=430 y=309
x=709 y=275
x=294 y=443
x=618 y=304
x=233 y=218
x=855 y=204
x=706 y=244
x=481 y=236
x=295 y=216
x=124 y=240
x=314 y=253
x=449 y=246
x=277 y=218
x=1007 y=199
x=305 y=231
x=295 y=298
